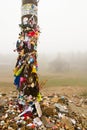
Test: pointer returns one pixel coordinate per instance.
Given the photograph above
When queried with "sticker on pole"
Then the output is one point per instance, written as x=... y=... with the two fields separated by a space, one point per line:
x=29 y=9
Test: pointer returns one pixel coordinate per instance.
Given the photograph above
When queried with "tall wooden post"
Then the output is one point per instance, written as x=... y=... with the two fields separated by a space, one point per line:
x=25 y=72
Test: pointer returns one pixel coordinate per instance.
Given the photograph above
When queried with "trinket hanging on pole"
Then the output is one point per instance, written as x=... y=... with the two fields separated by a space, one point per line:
x=25 y=72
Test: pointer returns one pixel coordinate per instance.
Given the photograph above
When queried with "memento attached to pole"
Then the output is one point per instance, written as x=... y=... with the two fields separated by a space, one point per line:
x=25 y=71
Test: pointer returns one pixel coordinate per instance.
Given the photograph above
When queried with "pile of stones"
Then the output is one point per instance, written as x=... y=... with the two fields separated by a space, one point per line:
x=53 y=112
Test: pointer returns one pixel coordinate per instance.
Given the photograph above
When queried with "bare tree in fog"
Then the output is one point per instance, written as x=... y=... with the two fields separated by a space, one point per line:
x=59 y=64
x=69 y=62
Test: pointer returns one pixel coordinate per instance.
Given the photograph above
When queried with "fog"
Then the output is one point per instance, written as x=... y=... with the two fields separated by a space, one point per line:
x=68 y=62
x=58 y=63
x=64 y=62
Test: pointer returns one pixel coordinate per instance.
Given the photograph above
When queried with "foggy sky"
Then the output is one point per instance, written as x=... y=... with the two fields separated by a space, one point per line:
x=63 y=25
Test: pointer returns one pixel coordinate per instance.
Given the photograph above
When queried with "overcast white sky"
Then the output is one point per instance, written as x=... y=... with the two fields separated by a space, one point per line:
x=63 y=25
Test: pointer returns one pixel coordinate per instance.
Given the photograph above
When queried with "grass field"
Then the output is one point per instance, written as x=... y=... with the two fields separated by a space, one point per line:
x=64 y=80
x=51 y=81
x=66 y=83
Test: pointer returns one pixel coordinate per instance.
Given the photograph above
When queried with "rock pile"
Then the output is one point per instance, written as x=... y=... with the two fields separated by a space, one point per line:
x=53 y=112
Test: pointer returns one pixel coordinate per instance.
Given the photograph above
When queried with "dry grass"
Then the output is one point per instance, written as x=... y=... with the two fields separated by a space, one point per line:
x=65 y=83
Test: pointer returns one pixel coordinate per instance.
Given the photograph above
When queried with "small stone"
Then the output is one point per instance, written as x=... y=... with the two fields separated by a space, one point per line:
x=2 y=123
x=61 y=108
x=48 y=111
x=73 y=121
x=54 y=99
x=67 y=124
x=46 y=122
x=3 y=94
x=0 y=95
x=10 y=128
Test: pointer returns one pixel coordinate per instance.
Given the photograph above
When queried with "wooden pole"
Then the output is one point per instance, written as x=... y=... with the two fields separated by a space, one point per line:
x=25 y=72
